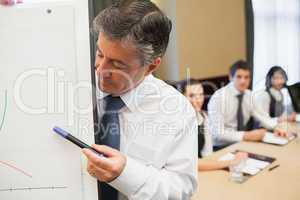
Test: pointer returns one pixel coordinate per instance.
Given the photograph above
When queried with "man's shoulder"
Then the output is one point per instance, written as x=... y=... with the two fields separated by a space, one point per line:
x=262 y=93
x=221 y=91
x=165 y=89
x=170 y=100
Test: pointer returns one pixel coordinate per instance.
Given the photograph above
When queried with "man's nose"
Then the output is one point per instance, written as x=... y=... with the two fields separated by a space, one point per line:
x=243 y=80
x=102 y=68
x=197 y=97
x=101 y=64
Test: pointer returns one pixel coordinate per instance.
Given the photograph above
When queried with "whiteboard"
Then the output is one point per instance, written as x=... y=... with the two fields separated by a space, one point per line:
x=41 y=87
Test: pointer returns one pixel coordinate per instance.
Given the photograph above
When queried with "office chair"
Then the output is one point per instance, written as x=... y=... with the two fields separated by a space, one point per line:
x=294 y=91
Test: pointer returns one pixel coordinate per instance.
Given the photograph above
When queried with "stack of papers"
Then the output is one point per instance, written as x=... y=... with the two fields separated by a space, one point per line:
x=252 y=166
x=273 y=139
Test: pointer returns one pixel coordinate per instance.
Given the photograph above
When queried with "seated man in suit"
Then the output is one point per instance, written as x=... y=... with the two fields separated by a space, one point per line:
x=231 y=107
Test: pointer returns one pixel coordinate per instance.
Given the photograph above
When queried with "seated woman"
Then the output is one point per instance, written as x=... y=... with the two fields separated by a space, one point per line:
x=194 y=92
x=275 y=100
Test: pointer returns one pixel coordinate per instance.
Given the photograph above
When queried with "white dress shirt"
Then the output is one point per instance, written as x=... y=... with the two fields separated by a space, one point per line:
x=208 y=146
x=264 y=100
x=159 y=139
x=222 y=114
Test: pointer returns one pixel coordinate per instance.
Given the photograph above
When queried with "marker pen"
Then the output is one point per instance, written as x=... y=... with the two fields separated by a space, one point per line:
x=74 y=140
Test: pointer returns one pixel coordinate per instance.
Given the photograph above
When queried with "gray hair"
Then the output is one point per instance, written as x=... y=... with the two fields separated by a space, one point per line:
x=138 y=21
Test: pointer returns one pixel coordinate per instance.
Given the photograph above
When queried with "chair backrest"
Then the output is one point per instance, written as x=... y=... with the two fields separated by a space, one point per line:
x=294 y=91
x=210 y=85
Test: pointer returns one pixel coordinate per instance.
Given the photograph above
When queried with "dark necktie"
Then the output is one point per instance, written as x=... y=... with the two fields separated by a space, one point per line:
x=110 y=136
x=240 y=115
x=201 y=137
x=276 y=107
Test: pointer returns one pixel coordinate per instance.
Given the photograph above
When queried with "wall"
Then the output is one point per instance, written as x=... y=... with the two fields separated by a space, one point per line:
x=169 y=69
x=210 y=37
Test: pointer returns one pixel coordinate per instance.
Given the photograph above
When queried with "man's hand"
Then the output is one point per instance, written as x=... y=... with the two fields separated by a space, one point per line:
x=281 y=133
x=108 y=168
x=255 y=136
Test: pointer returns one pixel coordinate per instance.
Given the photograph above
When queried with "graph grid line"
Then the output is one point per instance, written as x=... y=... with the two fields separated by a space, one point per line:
x=33 y=188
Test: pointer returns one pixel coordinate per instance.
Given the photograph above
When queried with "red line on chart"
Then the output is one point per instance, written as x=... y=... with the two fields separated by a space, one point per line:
x=16 y=168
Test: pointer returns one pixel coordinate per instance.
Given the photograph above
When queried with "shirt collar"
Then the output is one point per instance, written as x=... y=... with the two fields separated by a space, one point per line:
x=135 y=96
x=277 y=94
x=233 y=89
x=100 y=94
x=200 y=118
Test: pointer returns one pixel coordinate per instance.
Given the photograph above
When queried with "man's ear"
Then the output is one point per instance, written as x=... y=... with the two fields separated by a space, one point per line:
x=153 y=66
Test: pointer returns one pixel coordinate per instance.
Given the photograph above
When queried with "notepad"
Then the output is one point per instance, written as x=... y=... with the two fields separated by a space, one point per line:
x=298 y=118
x=251 y=170
x=257 y=163
x=252 y=166
x=254 y=163
x=270 y=138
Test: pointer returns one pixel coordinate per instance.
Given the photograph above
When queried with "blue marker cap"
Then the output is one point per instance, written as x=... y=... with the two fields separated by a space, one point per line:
x=61 y=132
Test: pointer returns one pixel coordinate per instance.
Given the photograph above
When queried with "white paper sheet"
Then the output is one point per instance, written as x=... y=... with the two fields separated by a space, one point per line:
x=272 y=139
x=298 y=118
x=252 y=167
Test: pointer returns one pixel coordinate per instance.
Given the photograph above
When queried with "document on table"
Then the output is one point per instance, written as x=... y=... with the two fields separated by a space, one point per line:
x=298 y=118
x=270 y=138
x=252 y=166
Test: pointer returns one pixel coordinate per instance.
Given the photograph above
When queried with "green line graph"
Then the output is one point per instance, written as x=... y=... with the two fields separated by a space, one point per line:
x=4 y=112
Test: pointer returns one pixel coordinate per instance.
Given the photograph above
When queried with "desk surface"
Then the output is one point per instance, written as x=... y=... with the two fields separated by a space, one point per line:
x=280 y=183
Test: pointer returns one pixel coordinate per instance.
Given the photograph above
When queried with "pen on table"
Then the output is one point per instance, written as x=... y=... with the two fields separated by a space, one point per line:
x=272 y=168
x=75 y=140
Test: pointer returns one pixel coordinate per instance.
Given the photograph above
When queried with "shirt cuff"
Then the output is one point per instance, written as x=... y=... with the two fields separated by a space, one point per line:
x=274 y=123
x=240 y=136
x=132 y=178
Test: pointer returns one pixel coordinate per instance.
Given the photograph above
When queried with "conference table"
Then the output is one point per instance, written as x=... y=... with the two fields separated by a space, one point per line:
x=281 y=183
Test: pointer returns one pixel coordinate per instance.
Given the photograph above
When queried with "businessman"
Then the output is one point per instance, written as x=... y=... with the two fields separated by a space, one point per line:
x=147 y=130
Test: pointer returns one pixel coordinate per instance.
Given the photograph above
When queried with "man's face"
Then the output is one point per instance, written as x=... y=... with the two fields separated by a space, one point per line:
x=195 y=95
x=118 y=66
x=241 y=79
